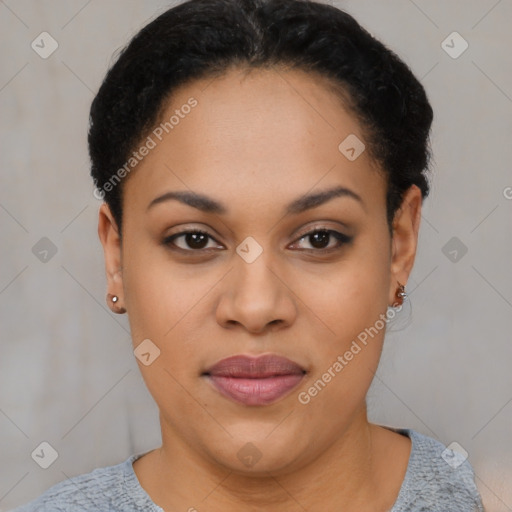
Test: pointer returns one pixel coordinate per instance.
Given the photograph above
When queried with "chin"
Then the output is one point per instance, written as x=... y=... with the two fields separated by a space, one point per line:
x=257 y=450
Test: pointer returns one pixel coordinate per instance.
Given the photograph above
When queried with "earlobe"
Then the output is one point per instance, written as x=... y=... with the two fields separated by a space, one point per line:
x=112 y=303
x=108 y=233
x=406 y=225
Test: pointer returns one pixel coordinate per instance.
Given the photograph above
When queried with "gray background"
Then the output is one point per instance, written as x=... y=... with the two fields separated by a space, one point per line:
x=67 y=372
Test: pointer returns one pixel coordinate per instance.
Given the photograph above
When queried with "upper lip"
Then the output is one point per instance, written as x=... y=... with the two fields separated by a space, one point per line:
x=255 y=367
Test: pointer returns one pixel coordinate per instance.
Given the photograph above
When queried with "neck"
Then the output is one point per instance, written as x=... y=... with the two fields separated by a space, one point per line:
x=346 y=476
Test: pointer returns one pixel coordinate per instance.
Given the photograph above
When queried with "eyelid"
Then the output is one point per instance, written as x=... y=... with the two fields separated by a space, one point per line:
x=318 y=227
x=183 y=229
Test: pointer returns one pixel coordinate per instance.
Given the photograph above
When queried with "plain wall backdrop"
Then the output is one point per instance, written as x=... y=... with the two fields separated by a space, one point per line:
x=68 y=375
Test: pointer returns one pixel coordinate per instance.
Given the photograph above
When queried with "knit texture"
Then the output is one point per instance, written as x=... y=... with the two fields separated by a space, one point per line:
x=431 y=484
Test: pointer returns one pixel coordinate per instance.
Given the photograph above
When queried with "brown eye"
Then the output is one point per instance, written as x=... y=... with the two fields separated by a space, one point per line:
x=196 y=240
x=191 y=241
x=320 y=239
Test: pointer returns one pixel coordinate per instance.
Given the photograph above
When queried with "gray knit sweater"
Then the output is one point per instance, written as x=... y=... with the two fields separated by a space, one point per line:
x=437 y=480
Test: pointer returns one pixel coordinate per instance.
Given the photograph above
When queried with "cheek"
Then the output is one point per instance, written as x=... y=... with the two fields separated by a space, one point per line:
x=156 y=291
x=352 y=304
x=169 y=305
x=352 y=295
x=163 y=309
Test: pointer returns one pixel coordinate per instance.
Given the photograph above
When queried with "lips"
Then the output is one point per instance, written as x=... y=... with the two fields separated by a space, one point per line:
x=255 y=380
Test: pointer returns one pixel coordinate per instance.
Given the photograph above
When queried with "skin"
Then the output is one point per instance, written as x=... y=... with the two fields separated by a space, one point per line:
x=255 y=142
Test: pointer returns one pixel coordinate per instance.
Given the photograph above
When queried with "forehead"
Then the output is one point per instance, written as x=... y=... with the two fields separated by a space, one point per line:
x=246 y=107
x=266 y=130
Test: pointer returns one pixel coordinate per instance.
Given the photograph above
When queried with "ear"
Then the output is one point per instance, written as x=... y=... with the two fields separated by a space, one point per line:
x=110 y=238
x=406 y=224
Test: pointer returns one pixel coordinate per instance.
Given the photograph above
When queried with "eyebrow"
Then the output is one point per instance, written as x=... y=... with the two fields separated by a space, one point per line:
x=209 y=205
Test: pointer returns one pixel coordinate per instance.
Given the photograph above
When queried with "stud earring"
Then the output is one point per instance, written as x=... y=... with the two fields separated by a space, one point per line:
x=112 y=301
x=401 y=295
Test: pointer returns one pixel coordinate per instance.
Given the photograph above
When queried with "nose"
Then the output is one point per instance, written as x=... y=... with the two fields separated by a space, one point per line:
x=256 y=296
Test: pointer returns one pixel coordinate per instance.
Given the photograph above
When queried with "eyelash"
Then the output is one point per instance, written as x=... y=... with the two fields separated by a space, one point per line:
x=341 y=238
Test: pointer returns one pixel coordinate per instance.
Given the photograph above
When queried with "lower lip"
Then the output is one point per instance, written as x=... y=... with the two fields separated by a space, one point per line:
x=255 y=391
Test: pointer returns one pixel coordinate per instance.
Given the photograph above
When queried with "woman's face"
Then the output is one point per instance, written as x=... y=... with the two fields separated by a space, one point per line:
x=297 y=262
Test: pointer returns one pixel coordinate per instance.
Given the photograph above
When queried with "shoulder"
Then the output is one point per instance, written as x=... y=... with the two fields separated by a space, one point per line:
x=108 y=489
x=437 y=479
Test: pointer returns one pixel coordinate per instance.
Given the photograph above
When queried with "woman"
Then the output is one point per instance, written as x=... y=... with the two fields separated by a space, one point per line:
x=263 y=166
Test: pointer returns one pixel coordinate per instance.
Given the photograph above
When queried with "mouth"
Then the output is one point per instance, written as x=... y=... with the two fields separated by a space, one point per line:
x=253 y=380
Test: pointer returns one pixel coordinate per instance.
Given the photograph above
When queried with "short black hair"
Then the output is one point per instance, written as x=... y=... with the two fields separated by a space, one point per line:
x=205 y=38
